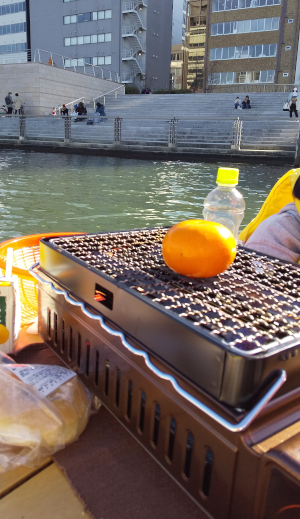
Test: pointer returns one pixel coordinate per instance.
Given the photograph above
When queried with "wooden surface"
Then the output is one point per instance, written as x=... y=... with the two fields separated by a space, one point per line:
x=14 y=478
x=46 y=495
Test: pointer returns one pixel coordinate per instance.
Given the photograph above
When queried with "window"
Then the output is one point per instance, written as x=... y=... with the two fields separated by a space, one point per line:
x=83 y=40
x=13 y=28
x=226 y=78
x=87 y=17
x=247 y=51
x=101 y=60
x=244 y=26
x=12 y=8
x=14 y=47
x=229 y=5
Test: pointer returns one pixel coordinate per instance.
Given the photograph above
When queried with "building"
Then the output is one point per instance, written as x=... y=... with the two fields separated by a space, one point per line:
x=252 y=41
x=179 y=22
x=195 y=42
x=14 y=32
x=178 y=68
x=130 y=38
x=242 y=41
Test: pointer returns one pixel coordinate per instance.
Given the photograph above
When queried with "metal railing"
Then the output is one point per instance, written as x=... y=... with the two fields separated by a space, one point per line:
x=76 y=65
x=56 y=60
x=127 y=77
x=129 y=6
x=181 y=134
x=114 y=91
x=251 y=87
x=15 y=57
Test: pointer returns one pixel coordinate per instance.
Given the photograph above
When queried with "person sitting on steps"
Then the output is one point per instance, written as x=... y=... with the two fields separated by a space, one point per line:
x=100 y=111
x=246 y=103
x=237 y=103
x=80 y=110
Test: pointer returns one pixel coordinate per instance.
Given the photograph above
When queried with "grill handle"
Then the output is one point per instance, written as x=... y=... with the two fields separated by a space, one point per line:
x=237 y=427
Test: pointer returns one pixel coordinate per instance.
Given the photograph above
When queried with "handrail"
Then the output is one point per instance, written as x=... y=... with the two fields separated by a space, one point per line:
x=106 y=93
x=233 y=427
x=71 y=103
x=57 y=60
x=253 y=87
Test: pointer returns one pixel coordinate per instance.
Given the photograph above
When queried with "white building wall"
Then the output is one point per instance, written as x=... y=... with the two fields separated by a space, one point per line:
x=42 y=87
x=10 y=19
x=297 y=72
x=178 y=24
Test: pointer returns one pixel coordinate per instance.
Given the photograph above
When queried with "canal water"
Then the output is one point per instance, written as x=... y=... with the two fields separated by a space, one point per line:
x=41 y=192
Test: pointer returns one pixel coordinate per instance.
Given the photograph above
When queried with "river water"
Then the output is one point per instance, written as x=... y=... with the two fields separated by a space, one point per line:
x=45 y=192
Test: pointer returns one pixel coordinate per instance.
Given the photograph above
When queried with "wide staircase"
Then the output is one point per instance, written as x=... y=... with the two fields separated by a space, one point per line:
x=195 y=105
x=205 y=120
x=190 y=123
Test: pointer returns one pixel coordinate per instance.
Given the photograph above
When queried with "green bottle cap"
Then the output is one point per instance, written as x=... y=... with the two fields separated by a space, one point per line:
x=228 y=176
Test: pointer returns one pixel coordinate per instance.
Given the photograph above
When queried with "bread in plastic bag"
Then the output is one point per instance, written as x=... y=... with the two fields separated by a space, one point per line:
x=32 y=425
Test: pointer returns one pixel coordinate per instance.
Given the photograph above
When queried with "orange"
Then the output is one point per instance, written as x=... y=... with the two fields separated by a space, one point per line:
x=198 y=248
x=4 y=334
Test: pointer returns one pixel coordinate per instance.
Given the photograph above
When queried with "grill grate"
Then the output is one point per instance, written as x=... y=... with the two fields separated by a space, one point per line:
x=250 y=307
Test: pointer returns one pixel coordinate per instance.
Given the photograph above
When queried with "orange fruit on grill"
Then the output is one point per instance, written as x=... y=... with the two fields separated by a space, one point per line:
x=198 y=248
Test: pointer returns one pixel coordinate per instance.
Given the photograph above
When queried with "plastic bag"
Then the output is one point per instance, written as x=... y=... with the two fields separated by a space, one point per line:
x=42 y=409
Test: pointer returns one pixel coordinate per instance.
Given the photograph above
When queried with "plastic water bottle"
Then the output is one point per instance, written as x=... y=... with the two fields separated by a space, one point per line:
x=225 y=204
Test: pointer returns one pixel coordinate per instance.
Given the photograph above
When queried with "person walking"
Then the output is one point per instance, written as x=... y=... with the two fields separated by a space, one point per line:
x=293 y=102
x=9 y=103
x=18 y=104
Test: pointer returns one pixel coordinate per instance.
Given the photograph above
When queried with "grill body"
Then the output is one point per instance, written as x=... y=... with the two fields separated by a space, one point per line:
x=227 y=335
x=252 y=474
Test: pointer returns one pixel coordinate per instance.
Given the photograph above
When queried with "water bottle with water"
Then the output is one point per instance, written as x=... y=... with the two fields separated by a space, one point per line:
x=225 y=204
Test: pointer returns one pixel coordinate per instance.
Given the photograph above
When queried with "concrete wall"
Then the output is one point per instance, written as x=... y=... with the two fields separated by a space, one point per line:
x=48 y=31
x=42 y=87
x=159 y=39
x=177 y=25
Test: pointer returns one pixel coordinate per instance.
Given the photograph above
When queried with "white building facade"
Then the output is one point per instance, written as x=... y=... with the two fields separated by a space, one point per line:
x=13 y=28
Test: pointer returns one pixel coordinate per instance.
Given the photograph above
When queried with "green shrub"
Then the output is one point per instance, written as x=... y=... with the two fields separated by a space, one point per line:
x=131 y=89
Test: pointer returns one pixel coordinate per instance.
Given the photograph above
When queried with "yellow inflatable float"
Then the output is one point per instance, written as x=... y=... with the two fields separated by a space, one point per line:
x=280 y=195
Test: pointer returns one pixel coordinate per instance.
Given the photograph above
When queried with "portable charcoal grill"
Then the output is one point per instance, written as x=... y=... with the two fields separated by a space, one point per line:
x=167 y=354
x=226 y=334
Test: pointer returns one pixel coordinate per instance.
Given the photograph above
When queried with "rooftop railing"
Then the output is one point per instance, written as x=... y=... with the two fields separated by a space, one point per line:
x=56 y=60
